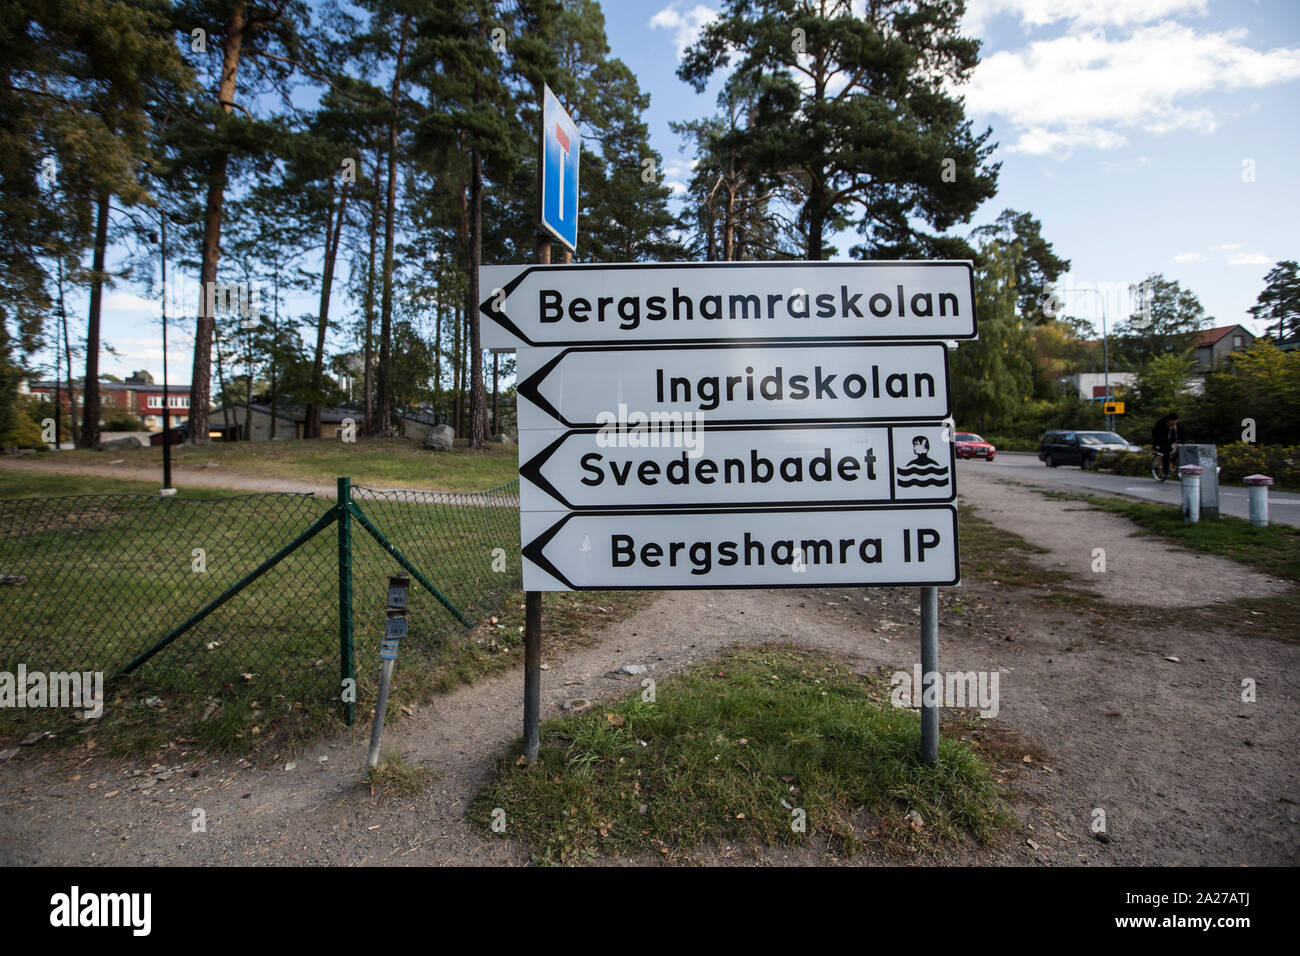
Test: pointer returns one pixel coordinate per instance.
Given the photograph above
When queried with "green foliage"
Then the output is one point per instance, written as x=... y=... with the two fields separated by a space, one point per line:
x=1260 y=384
x=21 y=430
x=992 y=377
x=1037 y=266
x=1162 y=385
x=1278 y=305
x=1166 y=321
x=855 y=121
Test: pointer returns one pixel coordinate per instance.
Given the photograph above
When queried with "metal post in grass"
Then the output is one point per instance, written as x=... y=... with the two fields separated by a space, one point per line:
x=1191 y=475
x=394 y=631
x=929 y=672
x=1258 y=485
x=347 y=658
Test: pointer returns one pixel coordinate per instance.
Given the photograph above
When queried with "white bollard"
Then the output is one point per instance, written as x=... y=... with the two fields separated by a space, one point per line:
x=1258 y=485
x=1191 y=475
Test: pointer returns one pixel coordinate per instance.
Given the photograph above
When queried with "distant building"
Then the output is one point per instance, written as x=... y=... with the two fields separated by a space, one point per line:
x=135 y=396
x=1092 y=385
x=1214 y=345
x=290 y=422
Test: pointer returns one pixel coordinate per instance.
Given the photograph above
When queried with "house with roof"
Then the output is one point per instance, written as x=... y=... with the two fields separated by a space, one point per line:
x=1214 y=345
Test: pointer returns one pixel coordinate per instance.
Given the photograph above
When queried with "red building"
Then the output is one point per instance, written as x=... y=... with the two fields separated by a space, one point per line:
x=135 y=396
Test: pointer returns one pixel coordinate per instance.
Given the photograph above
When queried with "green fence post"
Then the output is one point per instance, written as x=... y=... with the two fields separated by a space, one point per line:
x=347 y=657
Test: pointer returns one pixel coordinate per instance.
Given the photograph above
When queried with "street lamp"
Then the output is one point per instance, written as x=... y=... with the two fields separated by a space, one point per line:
x=1105 y=348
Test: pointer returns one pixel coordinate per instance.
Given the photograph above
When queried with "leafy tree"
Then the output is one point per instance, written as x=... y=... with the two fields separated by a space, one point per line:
x=1162 y=385
x=855 y=116
x=1037 y=266
x=1260 y=384
x=1167 y=320
x=1278 y=305
x=992 y=377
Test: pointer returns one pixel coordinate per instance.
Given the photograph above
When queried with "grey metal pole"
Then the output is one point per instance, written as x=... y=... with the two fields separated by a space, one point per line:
x=929 y=672
x=381 y=705
x=532 y=674
x=533 y=627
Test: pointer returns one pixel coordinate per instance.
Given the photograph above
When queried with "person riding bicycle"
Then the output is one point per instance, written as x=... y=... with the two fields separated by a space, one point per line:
x=1167 y=434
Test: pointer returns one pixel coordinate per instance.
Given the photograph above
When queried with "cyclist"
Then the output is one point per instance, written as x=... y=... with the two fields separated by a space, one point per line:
x=1166 y=436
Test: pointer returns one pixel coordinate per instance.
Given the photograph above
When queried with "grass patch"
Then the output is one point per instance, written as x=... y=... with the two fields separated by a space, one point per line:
x=1274 y=550
x=394 y=777
x=373 y=462
x=997 y=556
x=30 y=484
x=728 y=751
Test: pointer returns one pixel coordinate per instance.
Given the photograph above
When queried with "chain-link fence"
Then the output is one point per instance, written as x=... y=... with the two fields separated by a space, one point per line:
x=279 y=592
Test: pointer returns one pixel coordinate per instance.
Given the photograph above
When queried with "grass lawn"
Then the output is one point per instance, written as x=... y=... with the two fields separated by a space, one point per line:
x=1274 y=549
x=26 y=484
x=731 y=750
x=374 y=462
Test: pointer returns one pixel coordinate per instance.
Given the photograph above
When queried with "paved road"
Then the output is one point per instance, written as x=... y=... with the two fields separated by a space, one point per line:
x=1283 y=508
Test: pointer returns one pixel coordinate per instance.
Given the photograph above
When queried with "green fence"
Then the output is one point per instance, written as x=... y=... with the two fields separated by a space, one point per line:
x=284 y=591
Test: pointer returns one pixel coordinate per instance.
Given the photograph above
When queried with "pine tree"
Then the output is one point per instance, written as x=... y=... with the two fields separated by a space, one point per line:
x=853 y=117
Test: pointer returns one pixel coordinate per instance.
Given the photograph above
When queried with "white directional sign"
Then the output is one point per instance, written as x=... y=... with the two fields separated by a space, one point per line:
x=685 y=467
x=834 y=546
x=754 y=384
x=725 y=302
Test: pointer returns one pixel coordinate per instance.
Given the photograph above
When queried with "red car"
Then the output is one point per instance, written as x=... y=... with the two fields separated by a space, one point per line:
x=970 y=445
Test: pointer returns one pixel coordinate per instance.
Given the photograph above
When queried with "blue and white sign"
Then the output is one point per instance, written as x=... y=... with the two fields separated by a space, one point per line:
x=560 y=145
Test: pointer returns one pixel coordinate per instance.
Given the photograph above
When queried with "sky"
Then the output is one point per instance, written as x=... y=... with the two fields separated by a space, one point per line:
x=1148 y=136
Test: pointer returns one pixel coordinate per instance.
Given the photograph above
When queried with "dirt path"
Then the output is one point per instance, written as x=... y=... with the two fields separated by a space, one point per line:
x=182 y=476
x=1185 y=771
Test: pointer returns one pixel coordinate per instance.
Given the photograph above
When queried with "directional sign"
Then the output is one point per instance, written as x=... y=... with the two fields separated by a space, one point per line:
x=604 y=469
x=726 y=302
x=559 y=170
x=835 y=546
x=740 y=385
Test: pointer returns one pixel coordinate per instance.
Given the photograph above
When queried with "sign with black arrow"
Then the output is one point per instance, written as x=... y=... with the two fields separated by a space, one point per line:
x=703 y=302
x=636 y=467
x=735 y=384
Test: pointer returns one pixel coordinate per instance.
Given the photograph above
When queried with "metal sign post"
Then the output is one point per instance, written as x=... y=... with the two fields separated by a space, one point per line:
x=395 y=630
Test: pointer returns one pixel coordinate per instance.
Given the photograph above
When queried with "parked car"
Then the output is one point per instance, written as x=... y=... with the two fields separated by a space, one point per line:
x=970 y=445
x=1079 y=448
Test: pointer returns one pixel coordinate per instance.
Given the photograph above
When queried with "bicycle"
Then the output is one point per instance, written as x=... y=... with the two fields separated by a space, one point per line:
x=1158 y=464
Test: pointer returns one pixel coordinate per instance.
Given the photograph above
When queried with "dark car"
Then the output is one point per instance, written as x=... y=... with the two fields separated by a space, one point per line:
x=970 y=445
x=1079 y=447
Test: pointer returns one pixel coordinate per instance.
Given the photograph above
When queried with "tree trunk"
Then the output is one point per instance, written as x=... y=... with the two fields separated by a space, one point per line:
x=370 y=298
x=201 y=378
x=478 y=425
x=383 y=408
x=90 y=412
x=332 y=231
x=67 y=354
x=456 y=374
x=437 y=346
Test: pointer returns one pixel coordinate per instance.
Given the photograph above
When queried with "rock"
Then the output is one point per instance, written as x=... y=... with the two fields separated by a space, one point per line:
x=631 y=670
x=502 y=439
x=439 y=438
x=576 y=705
x=126 y=442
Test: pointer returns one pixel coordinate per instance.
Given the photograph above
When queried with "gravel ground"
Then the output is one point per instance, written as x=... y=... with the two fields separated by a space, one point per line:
x=1185 y=772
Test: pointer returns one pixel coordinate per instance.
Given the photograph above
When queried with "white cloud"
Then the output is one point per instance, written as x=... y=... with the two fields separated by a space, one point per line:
x=1040 y=13
x=686 y=26
x=1249 y=259
x=1189 y=257
x=1226 y=247
x=1084 y=89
